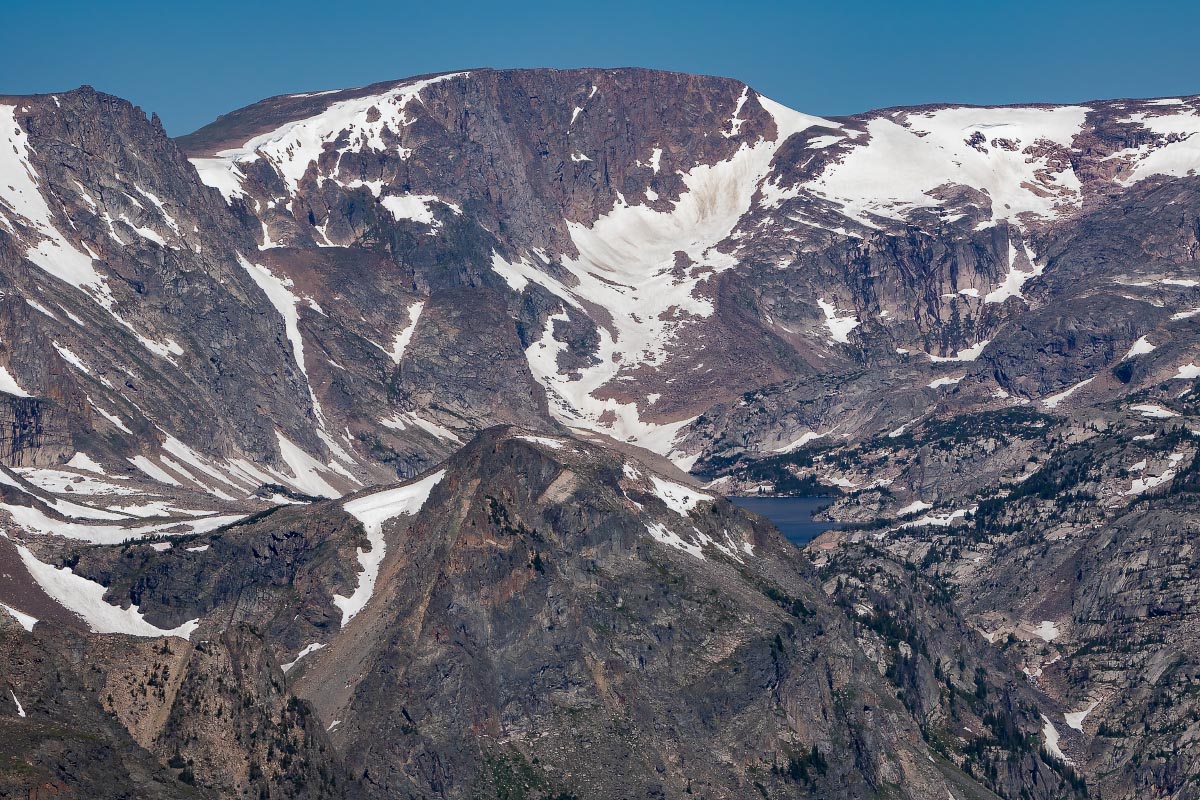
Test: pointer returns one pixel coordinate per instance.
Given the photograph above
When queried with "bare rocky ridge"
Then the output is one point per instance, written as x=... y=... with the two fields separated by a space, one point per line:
x=550 y=609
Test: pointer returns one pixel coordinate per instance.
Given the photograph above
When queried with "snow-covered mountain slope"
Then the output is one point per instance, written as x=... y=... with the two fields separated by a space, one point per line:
x=143 y=327
x=644 y=235
x=345 y=285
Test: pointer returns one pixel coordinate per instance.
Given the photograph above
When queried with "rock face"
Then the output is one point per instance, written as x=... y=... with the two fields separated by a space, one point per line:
x=547 y=618
x=658 y=244
x=687 y=240
x=975 y=327
x=62 y=742
x=574 y=647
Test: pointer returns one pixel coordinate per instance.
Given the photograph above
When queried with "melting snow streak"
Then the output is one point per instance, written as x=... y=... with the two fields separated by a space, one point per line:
x=372 y=511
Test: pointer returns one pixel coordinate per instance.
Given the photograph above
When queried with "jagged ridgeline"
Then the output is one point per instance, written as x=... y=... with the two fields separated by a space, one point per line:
x=372 y=443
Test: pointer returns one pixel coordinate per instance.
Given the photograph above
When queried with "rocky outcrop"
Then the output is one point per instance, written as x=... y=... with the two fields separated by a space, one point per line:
x=554 y=618
x=60 y=740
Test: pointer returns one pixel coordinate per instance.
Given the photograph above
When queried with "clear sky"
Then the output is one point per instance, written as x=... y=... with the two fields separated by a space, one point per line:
x=191 y=61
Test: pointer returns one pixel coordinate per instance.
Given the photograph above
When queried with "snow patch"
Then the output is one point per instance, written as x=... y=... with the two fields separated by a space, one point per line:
x=312 y=648
x=404 y=419
x=285 y=302
x=221 y=174
x=306 y=470
x=553 y=444
x=627 y=264
x=839 y=327
x=21 y=194
x=1176 y=154
x=406 y=333
x=1050 y=733
x=1139 y=348
x=677 y=497
x=84 y=462
x=1015 y=278
x=372 y=511
x=26 y=621
x=662 y=533
x=1053 y=400
x=939 y=520
x=821 y=142
x=154 y=470
x=804 y=439
x=968 y=354
x=1140 y=485
x=59 y=481
x=86 y=599
x=36 y=521
x=9 y=385
x=1186 y=372
x=294 y=146
x=197 y=462
x=1074 y=719
x=416 y=207
x=736 y=122
x=906 y=158
x=113 y=418
x=1153 y=411
x=1047 y=631
x=71 y=358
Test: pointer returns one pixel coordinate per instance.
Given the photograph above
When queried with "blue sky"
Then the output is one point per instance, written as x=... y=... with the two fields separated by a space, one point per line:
x=191 y=61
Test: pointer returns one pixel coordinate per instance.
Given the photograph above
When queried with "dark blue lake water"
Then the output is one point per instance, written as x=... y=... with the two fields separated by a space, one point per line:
x=792 y=515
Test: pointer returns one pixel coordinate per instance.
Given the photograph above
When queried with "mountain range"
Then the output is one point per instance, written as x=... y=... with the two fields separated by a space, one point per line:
x=374 y=443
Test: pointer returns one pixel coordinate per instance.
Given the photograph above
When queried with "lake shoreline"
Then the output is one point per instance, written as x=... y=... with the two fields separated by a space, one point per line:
x=793 y=516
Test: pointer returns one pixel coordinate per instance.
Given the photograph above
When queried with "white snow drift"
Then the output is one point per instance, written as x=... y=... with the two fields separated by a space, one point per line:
x=86 y=599
x=372 y=511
